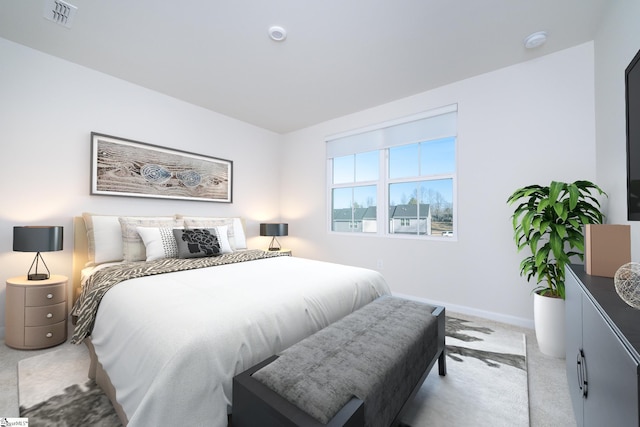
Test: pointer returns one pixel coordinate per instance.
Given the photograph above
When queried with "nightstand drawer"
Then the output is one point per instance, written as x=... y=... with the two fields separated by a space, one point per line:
x=45 y=336
x=45 y=295
x=45 y=315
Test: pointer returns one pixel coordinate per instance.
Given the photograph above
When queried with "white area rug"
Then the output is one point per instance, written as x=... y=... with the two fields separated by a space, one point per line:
x=485 y=385
x=486 y=382
x=46 y=375
x=54 y=391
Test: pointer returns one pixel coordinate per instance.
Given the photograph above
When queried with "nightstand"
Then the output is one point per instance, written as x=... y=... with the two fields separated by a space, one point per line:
x=36 y=312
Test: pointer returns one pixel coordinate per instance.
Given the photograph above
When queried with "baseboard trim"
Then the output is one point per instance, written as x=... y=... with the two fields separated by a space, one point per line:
x=498 y=317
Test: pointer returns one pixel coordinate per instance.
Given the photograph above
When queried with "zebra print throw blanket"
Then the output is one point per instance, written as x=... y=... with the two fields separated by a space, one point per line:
x=101 y=281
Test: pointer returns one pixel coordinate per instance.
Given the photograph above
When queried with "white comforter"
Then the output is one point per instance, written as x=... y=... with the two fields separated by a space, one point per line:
x=172 y=343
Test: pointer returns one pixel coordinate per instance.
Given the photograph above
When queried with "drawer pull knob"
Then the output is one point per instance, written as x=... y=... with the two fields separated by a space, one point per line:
x=49 y=334
x=49 y=296
x=49 y=315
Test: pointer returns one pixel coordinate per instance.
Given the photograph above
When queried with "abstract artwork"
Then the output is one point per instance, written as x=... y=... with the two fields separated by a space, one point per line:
x=122 y=167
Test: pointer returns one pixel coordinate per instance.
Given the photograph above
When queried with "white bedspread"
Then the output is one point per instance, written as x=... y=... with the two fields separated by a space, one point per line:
x=172 y=343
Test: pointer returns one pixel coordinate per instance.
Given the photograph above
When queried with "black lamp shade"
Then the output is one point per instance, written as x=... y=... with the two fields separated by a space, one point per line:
x=37 y=238
x=275 y=229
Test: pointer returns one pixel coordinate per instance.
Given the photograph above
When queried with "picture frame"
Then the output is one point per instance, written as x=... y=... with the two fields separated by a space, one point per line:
x=124 y=167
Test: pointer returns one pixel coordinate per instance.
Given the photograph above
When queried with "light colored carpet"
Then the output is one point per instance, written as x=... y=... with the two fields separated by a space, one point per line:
x=486 y=383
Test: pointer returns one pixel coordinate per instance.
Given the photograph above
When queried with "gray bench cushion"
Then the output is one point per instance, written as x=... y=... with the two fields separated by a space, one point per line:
x=377 y=354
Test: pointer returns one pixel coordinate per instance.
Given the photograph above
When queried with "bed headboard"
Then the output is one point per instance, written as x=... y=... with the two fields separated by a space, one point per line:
x=81 y=239
x=80 y=253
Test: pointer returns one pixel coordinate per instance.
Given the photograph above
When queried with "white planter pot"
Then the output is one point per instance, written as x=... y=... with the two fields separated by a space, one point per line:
x=549 y=319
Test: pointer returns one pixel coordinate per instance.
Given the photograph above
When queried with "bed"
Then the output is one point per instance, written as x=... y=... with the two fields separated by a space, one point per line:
x=168 y=335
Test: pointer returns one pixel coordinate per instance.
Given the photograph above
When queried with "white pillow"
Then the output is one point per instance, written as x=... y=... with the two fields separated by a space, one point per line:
x=104 y=238
x=159 y=242
x=238 y=230
x=223 y=239
x=235 y=228
x=132 y=245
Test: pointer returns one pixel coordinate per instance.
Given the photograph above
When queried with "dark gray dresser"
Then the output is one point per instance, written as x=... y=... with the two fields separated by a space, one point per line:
x=603 y=343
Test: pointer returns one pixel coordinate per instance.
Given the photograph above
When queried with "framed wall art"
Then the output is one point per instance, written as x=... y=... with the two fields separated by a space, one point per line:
x=122 y=167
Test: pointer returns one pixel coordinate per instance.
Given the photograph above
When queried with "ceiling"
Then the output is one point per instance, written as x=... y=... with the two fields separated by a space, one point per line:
x=339 y=57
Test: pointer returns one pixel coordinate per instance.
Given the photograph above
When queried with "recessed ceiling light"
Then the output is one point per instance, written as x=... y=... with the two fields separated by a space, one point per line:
x=277 y=33
x=536 y=39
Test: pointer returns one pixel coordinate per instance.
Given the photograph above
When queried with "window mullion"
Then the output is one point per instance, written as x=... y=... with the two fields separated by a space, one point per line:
x=383 y=194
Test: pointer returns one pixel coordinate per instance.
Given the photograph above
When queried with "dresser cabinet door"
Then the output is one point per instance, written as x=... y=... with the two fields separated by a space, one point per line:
x=612 y=398
x=575 y=371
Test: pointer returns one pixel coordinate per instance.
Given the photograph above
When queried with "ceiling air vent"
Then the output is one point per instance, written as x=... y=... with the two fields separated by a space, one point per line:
x=60 y=12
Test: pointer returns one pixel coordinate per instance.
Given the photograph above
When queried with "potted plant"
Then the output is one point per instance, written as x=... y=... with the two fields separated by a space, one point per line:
x=549 y=221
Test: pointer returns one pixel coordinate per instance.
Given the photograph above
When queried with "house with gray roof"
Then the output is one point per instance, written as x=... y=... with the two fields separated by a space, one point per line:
x=403 y=219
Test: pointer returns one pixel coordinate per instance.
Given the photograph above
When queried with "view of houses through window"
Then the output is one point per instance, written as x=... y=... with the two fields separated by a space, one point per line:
x=415 y=182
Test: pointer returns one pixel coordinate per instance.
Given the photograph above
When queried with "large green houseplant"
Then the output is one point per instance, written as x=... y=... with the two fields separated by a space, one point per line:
x=550 y=222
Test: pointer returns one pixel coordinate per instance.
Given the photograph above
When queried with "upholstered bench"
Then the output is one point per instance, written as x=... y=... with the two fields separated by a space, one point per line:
x=361 y=370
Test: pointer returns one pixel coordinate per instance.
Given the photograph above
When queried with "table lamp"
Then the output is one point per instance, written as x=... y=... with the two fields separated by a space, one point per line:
x=274 y=229
x=37 y=239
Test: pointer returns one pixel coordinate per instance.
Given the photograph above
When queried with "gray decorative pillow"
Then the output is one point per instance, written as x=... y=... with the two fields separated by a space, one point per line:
x=197 y=242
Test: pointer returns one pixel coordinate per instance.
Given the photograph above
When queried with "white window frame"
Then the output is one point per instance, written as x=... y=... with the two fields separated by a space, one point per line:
x=362 y=145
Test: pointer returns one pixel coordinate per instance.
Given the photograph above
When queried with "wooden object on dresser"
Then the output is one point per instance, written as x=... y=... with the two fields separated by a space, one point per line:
x=607 y=247
x=36 y=312
x=603 y=351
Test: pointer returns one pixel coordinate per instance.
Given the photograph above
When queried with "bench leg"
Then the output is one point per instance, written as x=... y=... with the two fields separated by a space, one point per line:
x=442 y=364
x=440 y=312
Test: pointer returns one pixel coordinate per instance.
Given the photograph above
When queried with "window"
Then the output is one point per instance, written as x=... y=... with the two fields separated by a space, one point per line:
x=407 y=166
x=353 y=194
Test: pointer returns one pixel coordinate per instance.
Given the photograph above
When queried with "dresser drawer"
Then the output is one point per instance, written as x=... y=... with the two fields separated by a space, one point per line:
x=45 y=295
x=45 y=315
x=45 y=336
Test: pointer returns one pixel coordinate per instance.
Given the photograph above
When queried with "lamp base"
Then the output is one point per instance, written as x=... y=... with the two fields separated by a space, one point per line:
x=274 y=245
x=36 y=275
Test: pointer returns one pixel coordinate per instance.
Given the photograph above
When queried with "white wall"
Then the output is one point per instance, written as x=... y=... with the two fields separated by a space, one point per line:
x=528 y=123
x=49 y=107
x=525 y=124
x=616 y=43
